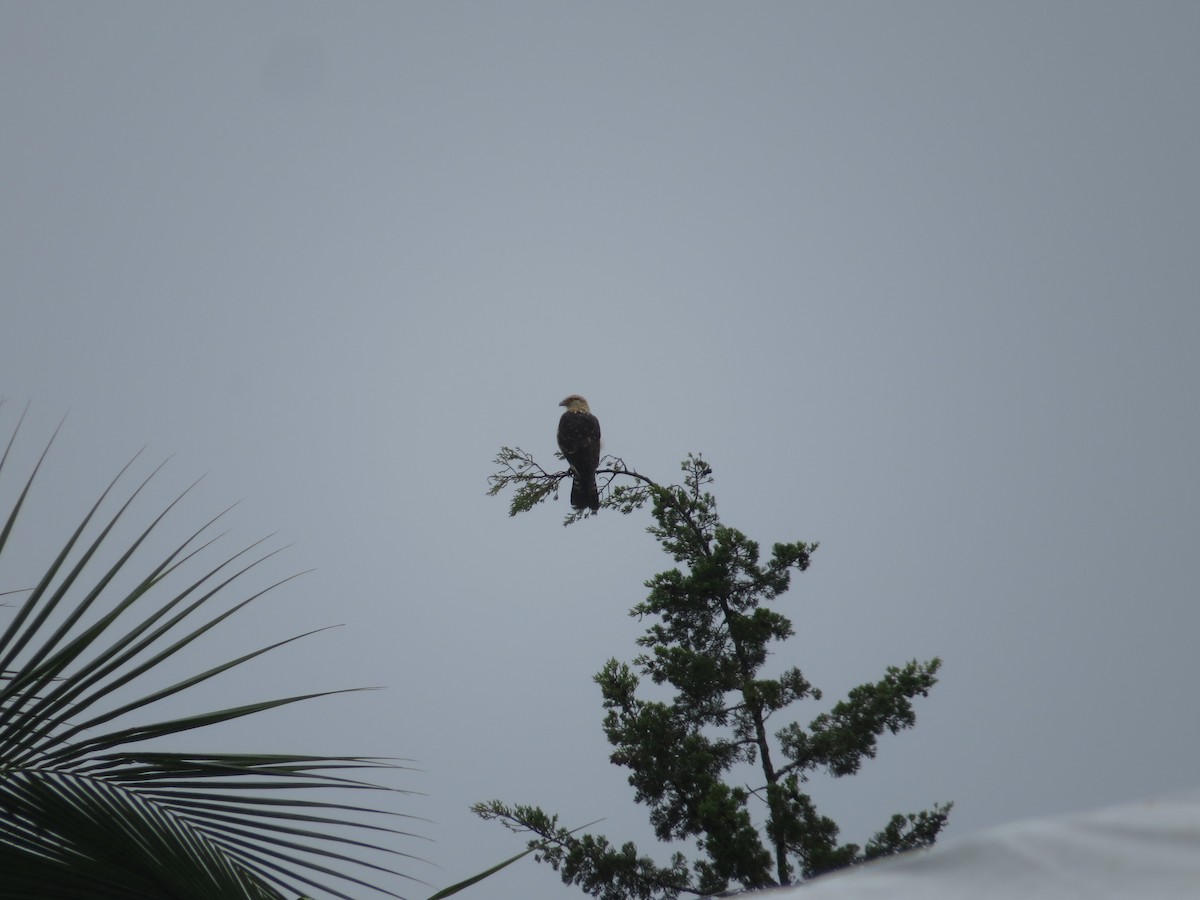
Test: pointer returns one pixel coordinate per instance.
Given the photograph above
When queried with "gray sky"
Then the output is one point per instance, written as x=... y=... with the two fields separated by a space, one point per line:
x=918 y=279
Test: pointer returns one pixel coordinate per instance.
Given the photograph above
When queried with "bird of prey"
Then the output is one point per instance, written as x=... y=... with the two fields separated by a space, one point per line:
x=579 y=441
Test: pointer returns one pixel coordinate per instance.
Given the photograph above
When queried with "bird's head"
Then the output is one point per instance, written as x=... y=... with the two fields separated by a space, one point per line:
x=575 y=403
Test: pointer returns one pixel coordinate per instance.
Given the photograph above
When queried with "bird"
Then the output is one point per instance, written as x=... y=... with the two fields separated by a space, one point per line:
x=579 y=441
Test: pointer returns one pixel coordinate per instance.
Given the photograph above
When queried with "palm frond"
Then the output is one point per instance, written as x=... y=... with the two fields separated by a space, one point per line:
x=87 y=809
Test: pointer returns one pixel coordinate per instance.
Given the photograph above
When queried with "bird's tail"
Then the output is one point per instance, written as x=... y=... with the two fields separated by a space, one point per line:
x=584 y=492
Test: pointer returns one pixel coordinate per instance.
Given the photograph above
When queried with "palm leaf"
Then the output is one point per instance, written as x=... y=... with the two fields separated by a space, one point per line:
x=86 y=808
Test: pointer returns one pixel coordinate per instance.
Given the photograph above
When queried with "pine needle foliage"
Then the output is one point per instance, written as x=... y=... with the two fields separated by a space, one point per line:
x=709 y=636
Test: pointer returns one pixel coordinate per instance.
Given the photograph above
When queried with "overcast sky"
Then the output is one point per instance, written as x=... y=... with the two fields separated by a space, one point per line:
x=919 y=280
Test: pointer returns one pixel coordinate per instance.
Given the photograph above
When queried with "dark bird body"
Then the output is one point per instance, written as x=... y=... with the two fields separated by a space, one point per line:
x=579 y=441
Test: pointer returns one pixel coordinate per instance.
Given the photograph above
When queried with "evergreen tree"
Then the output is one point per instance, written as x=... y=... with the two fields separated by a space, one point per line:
x=709 y=638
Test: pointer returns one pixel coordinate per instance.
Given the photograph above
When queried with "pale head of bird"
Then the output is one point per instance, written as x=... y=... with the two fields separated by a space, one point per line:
x=575 y=403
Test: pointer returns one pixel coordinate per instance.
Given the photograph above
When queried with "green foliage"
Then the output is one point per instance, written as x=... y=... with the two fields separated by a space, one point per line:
x=87 y=809
x=533 y=485
x=604 y=871
x=708 y=638
x=475 y=879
